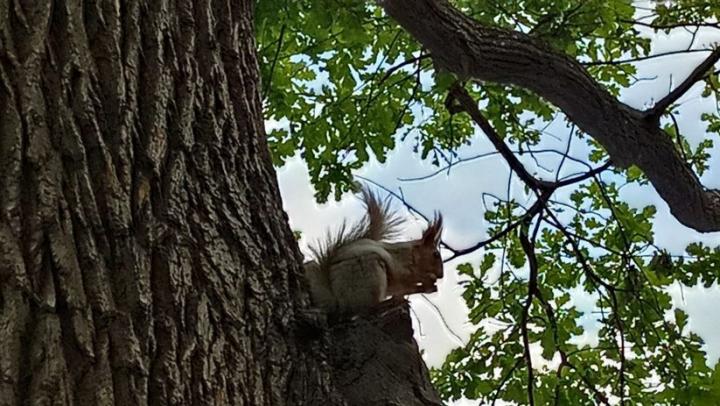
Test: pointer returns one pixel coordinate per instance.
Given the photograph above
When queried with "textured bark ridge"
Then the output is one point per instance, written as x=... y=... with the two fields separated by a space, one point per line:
x=375 y=360
x=144 y=255
x=465 y=47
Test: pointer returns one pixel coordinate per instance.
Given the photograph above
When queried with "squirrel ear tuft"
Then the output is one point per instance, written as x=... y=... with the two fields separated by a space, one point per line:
x=431 y=236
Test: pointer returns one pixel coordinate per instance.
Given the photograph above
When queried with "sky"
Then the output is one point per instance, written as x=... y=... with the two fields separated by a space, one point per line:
x=441 y=318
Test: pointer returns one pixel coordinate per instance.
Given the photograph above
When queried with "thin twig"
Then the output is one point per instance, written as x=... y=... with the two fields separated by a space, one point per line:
x=401 y=65
x=642 y=58
x=491 y=153
x=697 y=74
x=671 y=26
x=274 y=61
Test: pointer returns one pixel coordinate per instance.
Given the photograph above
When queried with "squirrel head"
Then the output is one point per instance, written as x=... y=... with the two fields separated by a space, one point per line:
x=427 y=252
x=421 y=259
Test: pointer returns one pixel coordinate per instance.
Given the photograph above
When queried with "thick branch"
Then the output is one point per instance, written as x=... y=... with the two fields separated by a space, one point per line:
x=471 y=50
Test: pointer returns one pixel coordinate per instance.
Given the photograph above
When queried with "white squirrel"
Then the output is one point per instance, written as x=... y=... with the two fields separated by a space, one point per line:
x=357 y=268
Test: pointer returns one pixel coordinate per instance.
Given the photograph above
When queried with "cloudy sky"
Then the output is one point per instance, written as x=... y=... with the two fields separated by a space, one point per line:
x=441 y=318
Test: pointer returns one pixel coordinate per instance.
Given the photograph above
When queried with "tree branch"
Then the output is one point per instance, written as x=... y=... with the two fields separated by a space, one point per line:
x=280 y=39
x=448 y=167
x=642 y=58
x=696 y=75
x=401 y=65
x=528 y=247
x=531 y=212
x=469 y=49
x=670 y=26
x=467 y=104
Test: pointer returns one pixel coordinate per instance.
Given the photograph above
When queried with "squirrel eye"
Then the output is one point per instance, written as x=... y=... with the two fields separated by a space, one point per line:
x=436 y=254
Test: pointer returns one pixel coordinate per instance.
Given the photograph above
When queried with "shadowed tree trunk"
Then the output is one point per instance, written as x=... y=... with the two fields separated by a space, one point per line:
x=144 y=254
x=384 y=367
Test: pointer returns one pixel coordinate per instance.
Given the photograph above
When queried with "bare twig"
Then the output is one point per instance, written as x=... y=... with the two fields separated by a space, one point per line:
x=442 y=318
x=643 y=58
x=491 y=153
x=531 y=212
x=671 y=26
x=567 y=152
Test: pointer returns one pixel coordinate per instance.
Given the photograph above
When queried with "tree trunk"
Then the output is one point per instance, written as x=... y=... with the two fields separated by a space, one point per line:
x=375 y=360
x=144 y=254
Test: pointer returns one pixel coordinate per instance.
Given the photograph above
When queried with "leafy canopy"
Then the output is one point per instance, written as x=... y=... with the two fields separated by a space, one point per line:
x=346 y=82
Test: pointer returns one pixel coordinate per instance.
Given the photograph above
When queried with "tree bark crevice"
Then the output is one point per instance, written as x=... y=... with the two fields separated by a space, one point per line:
x=144 y=254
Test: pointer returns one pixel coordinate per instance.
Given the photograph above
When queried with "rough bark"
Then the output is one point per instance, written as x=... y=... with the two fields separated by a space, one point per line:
x=375 y=360
x=467 y=48
x=144 y=254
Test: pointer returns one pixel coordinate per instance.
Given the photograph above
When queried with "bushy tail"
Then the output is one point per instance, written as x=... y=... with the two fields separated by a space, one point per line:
x=379 y=223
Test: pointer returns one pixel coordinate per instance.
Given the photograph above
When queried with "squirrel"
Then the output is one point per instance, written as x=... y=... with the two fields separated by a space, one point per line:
x=357 y=268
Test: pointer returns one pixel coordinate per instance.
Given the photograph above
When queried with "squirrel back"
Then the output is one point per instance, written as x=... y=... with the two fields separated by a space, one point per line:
x=378 y=224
